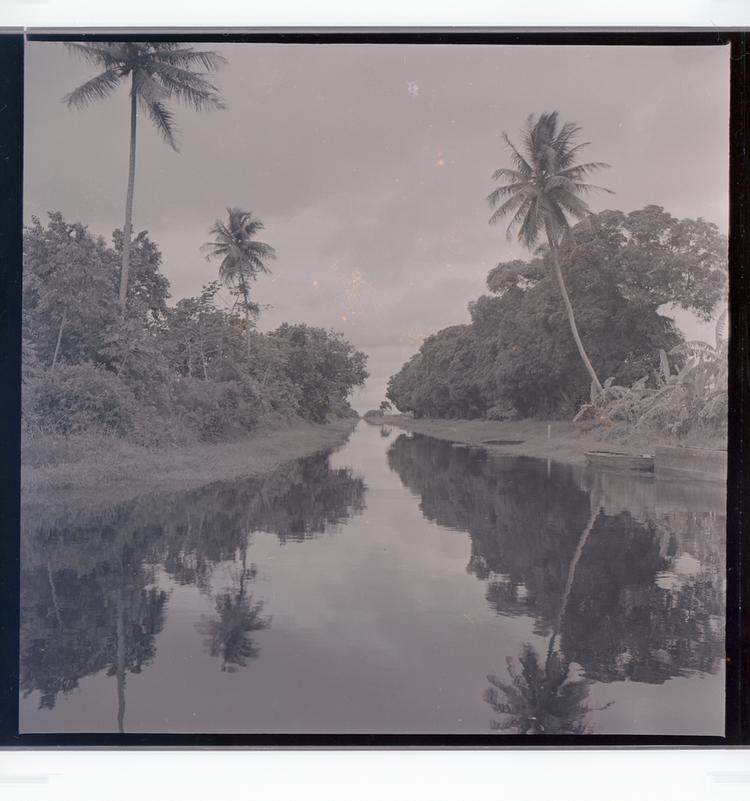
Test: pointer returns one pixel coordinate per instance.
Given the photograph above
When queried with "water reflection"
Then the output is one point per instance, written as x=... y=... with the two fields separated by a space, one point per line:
x=90 y=600
x=539 y=699
x=627 y=575
x=228 y=634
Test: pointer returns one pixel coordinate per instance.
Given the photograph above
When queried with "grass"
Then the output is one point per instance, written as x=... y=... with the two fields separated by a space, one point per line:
x=90 y=462
x=566 y=443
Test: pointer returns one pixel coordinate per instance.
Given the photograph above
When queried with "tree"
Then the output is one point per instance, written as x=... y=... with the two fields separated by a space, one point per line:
x=542 y=191
x=68 y=290
x=158 y=72
x=242 y=256
x=324 y=366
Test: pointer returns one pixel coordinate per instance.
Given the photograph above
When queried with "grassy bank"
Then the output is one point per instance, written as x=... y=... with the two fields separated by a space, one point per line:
x=566 y=442
x=90 y=463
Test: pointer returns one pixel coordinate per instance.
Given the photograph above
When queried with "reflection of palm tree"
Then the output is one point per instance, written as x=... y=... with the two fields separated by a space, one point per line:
x=228 y=635
x=539 y=700
x=542 y=700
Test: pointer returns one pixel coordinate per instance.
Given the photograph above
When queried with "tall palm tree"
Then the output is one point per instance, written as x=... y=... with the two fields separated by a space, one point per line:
x=242 y=256
x=543 y=192
x=158 y=72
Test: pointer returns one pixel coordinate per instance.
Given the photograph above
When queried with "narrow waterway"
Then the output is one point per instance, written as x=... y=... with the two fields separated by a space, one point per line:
x=388 y=587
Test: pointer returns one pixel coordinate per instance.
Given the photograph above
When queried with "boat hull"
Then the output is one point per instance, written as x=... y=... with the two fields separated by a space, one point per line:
x=619 y=461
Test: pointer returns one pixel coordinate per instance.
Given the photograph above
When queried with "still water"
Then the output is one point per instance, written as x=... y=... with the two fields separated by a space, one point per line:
x=397 y=585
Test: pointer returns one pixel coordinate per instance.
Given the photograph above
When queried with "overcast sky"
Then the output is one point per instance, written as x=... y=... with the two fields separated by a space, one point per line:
x=370 y=164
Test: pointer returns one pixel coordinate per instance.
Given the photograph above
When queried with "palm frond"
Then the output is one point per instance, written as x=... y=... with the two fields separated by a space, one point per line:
x=188 y=87
x=522 y=165
x=511 y=204
x=163 y=120
x=99 y=54
x=98 y=87
x=514 y=176
x=182 y=57
x=578 y=171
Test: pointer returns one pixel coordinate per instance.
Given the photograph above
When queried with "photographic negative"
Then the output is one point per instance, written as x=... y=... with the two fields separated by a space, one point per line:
x=374 y=388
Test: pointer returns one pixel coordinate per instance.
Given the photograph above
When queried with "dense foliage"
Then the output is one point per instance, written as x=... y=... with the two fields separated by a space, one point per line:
x=690 y=399
x=160 y=373
x=517 y=356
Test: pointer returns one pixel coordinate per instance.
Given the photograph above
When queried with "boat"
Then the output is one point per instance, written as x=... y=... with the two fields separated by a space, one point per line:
x=616 y=460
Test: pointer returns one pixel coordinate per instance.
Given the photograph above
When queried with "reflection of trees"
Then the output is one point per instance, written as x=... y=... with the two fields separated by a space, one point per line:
x=89 y=595
x=630 y=612
x=237 y=616
x=74 y=625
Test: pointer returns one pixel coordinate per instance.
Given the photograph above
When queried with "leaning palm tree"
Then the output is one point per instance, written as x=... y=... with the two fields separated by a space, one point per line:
x=543 y=192
x=158 y=72
x=242 y=256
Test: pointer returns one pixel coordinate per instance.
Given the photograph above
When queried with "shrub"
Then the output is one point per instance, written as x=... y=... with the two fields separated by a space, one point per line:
x=76 y=398
x=690 y=396
x=215 y=409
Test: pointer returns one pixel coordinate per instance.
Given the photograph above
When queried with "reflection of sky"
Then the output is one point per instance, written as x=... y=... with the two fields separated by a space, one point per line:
x=377 y=627
x=370 y=165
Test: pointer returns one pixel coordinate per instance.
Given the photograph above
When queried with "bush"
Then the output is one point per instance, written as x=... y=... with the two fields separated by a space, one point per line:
x=76 y=398
x=215 y=409
x=690 y=400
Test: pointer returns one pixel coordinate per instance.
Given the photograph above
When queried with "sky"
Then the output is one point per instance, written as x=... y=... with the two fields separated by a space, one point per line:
x=370 y=166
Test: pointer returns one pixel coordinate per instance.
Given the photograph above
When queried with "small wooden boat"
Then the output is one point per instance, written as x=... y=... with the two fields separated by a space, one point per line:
x=616 y=460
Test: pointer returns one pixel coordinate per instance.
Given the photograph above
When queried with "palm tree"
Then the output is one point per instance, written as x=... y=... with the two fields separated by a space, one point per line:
x=158 y=72
x=542 y=191
x=243 y=258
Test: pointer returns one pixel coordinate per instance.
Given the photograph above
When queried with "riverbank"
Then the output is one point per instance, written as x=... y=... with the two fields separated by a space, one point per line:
x=560 y=440
x=95 y=464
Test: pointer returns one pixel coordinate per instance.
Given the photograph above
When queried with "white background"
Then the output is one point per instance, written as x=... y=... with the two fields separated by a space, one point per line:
x=607 y=775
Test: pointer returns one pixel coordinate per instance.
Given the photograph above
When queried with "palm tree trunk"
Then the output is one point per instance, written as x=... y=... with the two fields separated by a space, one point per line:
x=128 y=204
x=245 y=303
x=59 y=338
x=571 y=316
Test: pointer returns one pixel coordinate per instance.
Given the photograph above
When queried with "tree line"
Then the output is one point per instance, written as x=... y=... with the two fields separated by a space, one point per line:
x=161 y=373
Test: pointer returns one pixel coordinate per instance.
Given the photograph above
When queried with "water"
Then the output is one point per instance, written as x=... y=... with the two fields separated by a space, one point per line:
x=375 y=589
